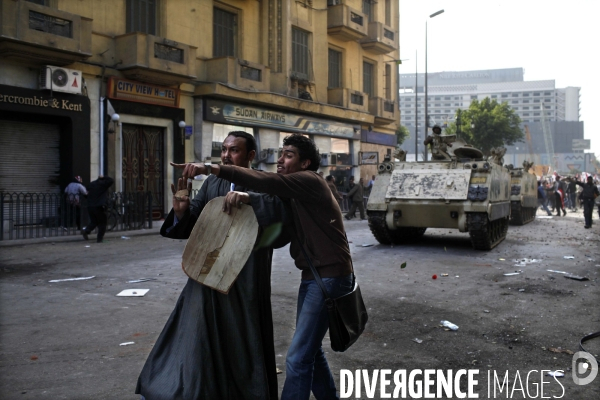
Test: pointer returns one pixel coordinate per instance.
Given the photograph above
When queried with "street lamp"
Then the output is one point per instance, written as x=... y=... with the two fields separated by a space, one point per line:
x=427 y=116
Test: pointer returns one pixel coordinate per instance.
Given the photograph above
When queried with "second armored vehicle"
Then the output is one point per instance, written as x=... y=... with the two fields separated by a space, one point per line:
x=523 y=194
x=460 y=189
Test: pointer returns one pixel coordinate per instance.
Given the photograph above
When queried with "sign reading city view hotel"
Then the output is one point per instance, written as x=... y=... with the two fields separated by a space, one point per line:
x=41 y=101
x=122 y=89
x=236 y=114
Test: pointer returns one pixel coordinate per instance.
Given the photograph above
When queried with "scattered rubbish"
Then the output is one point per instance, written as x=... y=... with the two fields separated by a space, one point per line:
x=417 y=340
x=577 y=277
x=449 y=325
x=569 y=257
x=87 y=245
x=403 y=265
x=434 y=276
x=72 y=279
x=126 y=343
x=543 y=217
x=486 y=311
x=279 y=371
x=556 y=272
x=512 y=273
x=525 y=261
x=33 y=358
x=501 y=259
x=444 y=275
x=457 y=276
x=559 y=350
x=556 y=374
x=142 y=280
x=125 y=237
x=521 y=290
x=133 y=292
x=367 y=245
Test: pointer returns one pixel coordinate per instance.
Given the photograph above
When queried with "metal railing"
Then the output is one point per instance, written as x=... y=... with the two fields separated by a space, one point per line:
x=36 y=215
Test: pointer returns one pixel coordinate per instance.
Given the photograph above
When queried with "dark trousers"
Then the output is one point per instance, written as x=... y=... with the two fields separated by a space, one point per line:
x=361 y=208
x=588 y=209
x=97 y=219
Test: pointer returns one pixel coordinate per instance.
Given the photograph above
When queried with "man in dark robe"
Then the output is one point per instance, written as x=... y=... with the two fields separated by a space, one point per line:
x=214 y=345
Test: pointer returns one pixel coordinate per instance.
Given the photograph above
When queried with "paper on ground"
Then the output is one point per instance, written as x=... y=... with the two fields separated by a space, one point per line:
x=72 y=279
x=133 y=292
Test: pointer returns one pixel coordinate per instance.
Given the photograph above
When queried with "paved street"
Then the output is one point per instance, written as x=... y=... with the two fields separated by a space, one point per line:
x=62 y=340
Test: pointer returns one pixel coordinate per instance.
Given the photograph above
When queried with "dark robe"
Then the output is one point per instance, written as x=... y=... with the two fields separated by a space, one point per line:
x=214 y=345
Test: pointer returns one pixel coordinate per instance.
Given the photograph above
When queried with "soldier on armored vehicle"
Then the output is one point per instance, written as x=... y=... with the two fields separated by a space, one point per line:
x=439 y=144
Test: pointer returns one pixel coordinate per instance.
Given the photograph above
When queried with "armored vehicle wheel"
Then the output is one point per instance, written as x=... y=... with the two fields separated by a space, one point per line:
x=486 y=234
x=388 y=236
x=521 y=215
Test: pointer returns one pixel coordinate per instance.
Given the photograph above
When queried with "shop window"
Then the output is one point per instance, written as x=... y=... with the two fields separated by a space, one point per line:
x=340 y=150
x=335 y=69
x=141 y=16
x=300 y=53
x=368 y=79
x=224 y=32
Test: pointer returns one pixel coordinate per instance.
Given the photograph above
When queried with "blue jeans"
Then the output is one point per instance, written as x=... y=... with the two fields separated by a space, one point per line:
x=306 y=365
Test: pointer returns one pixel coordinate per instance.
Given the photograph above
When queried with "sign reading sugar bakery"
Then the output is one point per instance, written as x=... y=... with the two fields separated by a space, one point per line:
x=236 y=114
x=122 y=89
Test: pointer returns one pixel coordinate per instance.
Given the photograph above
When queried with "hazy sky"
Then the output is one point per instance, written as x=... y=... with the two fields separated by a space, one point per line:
x=550 y=39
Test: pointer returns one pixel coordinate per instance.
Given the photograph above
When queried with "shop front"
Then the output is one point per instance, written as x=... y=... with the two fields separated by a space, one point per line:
x=338 y=142
x=145 y=130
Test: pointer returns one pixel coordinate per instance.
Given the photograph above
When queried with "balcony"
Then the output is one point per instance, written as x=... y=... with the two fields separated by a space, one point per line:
x=240 y=73
x=381 y=39
x=154 y=59
x=346 y=23
x=385 y=111
x=43 y=34
x=347 y=98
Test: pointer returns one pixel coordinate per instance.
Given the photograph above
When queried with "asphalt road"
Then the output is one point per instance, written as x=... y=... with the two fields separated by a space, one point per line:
x=62 y=340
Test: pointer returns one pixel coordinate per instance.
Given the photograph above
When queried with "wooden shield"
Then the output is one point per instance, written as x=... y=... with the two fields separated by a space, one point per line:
x=220 y=245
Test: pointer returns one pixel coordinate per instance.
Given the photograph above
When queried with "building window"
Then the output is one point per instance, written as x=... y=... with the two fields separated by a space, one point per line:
x=547 y=94
x=536 y=101
x=525 y=108
x=525 y=101
x=536 y=93
x=494 y=96
x=504 y=95
x=368 y=79
x=224 y=32
x=40 y=2
x=254 y=74
x=368 y=9
x=525 y=94
x=526 y=114
x=515 y=102
x=141 y=16
x=437 y=98
x=168 y=53
x=335 y=69
x=447 y=98
x=49 y=24
x=300 y=53
x=515 y=95
x=473 y=97
x=356 y=99
x=388 y=12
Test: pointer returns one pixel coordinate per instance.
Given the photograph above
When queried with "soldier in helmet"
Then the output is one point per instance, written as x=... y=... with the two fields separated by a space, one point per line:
x=439 y=144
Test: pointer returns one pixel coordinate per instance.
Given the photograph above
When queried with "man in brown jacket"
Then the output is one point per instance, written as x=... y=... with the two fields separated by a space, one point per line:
x=334 y=191
x=318 y=227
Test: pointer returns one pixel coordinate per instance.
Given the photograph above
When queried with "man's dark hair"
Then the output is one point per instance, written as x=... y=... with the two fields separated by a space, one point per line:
x=307 y=150
x=329 y=178
x=250 y=141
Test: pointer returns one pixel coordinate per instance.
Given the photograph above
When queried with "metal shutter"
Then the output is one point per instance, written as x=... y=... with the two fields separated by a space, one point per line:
x=29 y=160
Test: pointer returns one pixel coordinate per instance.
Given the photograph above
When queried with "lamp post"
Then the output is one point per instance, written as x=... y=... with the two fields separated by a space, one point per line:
x=427 y=116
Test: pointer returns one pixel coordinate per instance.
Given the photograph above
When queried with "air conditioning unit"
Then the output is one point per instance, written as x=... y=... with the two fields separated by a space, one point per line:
x=272 y=155
x=61 y=79
x=325 y=159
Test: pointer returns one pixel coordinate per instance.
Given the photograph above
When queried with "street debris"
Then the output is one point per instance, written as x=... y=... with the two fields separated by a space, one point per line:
x=444 y=275
x=486 y=311
x=141 y=280
x=556 y=374
x=501 y=259
x=416 y=340
x=126 y=343
x=577 y=277
x=569 y=257
x=557 y=272
x=560 y=350
x=403 y=265
x=521 y=290
x=72 y=279
x=525 y=261
x=434 y=276
x=449 y=325
x=133 y=292
x=125 y=237
x=87 y=245
x=543 y=217
x=367 y=245
x=512 y=273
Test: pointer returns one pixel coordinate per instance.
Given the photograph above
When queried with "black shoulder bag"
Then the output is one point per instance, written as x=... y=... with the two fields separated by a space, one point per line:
x=347 y=314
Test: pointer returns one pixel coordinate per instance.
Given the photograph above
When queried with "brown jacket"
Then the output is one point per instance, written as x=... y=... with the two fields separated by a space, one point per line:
x=317 y=217
x=334 y=191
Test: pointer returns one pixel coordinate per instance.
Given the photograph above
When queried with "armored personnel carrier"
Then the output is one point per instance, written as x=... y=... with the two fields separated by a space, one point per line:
x=523 y=194
x=458 y=189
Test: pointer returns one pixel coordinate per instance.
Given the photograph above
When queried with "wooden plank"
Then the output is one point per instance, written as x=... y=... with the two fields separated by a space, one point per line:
x=220 y=245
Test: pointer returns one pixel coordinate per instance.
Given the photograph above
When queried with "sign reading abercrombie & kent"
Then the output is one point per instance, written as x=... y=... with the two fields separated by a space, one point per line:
x=236 y=114
x=41 y=101
x=122 y=89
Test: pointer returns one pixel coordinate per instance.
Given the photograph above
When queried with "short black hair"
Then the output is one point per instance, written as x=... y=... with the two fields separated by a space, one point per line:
x=329 y=178
x=250 y=141
x=307 y=150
